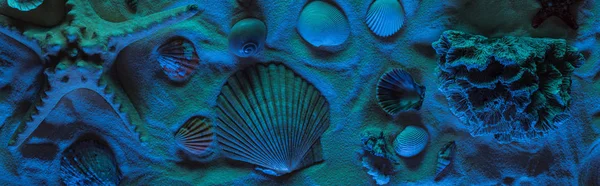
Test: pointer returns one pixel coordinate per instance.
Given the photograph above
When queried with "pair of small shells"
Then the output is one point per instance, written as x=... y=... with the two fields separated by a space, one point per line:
x=247 y=37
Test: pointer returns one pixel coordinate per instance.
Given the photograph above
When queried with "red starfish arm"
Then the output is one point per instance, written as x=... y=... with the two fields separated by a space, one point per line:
x=569 y=19
x=539 y=18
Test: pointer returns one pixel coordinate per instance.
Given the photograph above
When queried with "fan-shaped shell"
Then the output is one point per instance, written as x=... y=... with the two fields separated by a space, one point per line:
x=385 y=17
x=196 y=136
x=411 y=141
x=271 y=117
x=247 y=37
x=445 y=157
x=397 y=91
x=178 y=59
x=89 y=162
x=322 y=24
x=24 y=5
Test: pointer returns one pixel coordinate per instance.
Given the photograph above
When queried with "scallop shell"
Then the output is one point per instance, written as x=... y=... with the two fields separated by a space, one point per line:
x=385 y=17
x=24 y=5
x=196 y=136
x=445 y=157
x=271 y=117
x=247 y=37
x=322 y=24
x=178 y=59
x=411 y=141
x=397 y=91
x=89 y=162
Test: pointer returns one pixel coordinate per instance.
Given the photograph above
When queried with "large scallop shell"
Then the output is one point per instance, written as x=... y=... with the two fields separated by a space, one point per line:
x=271 y=117
x=322 y=24
x=196 y=136
x=385 y=17
x=411 y=141
x=247 y=37
x=89 y=162
x=445 y=157
x=178 y=59
x=24 y=5
x=397 y=91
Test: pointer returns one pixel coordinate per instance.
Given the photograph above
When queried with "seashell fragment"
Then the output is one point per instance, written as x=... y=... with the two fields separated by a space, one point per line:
x=247 y=37
x=385 y=17
x=397 y=91
x=196 y=136
x=445 y=157
x=89 y=162
x=411 y=141
x=24 y=5
x=322 y=24
x=271 y=117
x=178 y=59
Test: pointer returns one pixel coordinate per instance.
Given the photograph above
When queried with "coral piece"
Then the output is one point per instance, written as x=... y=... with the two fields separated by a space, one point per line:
x=445 y=158
x=24 y=5
x=513 y=88
x=376 y=145
x=247 y=37
x=89 y=162
x=197 y=137
x=385 y=17
x=178 y=59
x=397 y=91
x=411 y=141
x=376 y=157
x=322 y=24
x=558 y=8
x=271 y=117
x=380 y=169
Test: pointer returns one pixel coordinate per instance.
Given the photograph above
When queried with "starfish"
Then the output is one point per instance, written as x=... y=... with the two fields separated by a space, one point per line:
x=558 y=8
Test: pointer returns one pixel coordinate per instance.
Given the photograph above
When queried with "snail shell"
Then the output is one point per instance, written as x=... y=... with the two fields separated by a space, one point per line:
x=247 y=37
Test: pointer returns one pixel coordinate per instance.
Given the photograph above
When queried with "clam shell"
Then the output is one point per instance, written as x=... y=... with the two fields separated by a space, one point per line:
x=322 y=24
x=196 y=136
x=178 y=59
x=271 y=117
x=89 y=162
x=24 y=5
x=397 y=91
x=445 y=157
x=411 y=141
x=385 y=17
x=247 y=37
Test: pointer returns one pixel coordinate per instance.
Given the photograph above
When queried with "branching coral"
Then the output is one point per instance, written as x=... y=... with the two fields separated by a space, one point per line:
x=513 y=88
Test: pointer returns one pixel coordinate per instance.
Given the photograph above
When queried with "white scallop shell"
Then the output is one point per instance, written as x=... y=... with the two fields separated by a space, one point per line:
x=385 y=17
x=411 y=141
x=322 y=24
x=247 y=37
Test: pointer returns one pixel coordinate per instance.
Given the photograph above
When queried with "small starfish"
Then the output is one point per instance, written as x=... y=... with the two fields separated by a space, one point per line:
x=559 y=8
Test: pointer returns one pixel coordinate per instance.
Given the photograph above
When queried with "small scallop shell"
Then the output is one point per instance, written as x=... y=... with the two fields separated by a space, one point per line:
x=247 y=37
x=196 y=136
x=89 y=162
x=411 y=141
x=178 y=59
x=445 y=157
x=397 y=91
x=322 y=24
x=24 y=5
x=385 y=17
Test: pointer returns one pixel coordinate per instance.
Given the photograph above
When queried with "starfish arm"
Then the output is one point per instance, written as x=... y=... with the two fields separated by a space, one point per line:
x=540 y=17
x=16 y=35
x=569 y=19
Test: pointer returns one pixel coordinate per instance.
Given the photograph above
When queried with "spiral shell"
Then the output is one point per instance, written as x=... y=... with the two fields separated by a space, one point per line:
x=322 y=24
x=247 y=37
x=411 y=141
x=24 y=5
x=445 y=157
x=385 y=17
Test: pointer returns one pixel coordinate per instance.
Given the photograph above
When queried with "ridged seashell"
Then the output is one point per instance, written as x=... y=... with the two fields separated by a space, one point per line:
x=89 y=163
x=397 y=91
x=445 y=157
x=385 y=17
x=196 y=136
x=411 y=141
x=247 y=37
x=132 y=5
x=24 y=5
x=322 y=24
x=271 y=117
x=178 y=59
